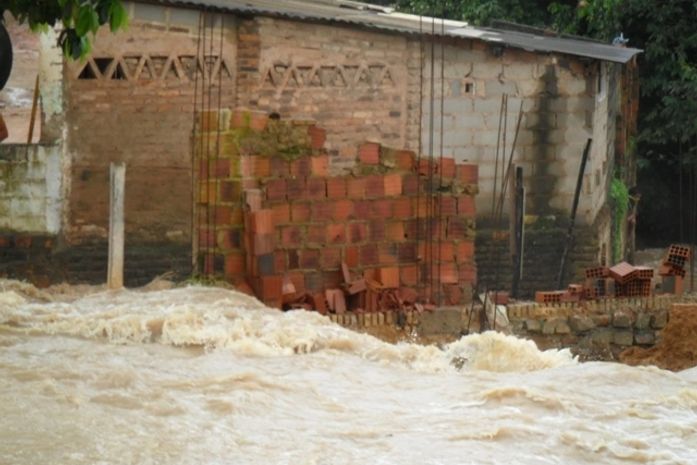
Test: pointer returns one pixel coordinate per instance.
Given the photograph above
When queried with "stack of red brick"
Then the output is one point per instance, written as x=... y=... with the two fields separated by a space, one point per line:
x=280 y=217
x=574 y=293
x=631 y=281
x=621 y=280
x=673 y=266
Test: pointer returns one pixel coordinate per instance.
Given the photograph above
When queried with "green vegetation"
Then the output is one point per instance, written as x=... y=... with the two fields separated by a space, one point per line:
x=80 y=19
x=619 y=201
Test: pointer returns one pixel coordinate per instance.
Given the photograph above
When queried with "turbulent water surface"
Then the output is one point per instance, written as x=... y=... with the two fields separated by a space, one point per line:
x=206 y=376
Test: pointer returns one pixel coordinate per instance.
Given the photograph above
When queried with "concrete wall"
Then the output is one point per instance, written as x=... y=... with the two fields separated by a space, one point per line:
x=30 y=188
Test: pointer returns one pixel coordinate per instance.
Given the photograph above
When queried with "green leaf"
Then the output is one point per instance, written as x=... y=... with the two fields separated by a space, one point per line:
x=84 y=20
x=118 y=16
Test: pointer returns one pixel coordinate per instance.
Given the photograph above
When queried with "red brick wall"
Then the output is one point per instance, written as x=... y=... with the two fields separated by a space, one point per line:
x=141 y=114
x=352 y=80
x=269 y=211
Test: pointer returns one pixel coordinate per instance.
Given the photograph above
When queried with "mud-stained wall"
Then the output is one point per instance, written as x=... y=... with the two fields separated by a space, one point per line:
x=133 y=101
x=30 y=188
x=559 y=104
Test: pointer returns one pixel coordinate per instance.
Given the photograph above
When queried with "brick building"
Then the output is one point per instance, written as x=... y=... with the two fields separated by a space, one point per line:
x=360 y=72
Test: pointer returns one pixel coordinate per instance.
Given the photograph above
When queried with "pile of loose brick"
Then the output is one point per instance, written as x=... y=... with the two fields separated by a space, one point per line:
x=622 y=280
x=673 y=266
x=274 y=221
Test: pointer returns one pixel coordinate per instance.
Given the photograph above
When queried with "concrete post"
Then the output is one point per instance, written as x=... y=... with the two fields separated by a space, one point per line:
x=117 y=179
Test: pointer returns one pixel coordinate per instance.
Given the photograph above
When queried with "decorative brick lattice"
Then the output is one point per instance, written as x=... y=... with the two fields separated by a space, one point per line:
x=143 y=67
x=286 y=76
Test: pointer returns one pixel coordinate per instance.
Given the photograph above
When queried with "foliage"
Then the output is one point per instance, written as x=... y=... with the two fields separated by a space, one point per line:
x=79 y=19
x=668 y=70
x=619 y=201
x=532 y=12
x=600 y=19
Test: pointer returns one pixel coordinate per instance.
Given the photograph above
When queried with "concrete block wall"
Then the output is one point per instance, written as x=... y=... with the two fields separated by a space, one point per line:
x=560 y=112
x=30 y=188
x=269 y=209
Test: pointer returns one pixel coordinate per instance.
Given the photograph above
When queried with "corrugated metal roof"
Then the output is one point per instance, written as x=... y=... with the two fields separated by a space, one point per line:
x=374 y=16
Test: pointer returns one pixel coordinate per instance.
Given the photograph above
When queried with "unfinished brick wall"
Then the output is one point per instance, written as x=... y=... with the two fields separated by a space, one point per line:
x=269 y=210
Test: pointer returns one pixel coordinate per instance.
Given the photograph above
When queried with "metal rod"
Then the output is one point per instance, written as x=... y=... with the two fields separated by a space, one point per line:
x=210 y=217
x=34 y=105
x=574 y=207
x=429 y=189
x=474 y=296
x=439 y=220
x=503 y=143
x=506 y=179
x=195 y=178
x=694 y=227
x=496 y=162
x=419 y=275
x=519 y=224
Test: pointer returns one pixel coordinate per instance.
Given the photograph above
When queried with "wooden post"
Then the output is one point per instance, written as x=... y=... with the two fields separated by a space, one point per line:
x=117 y=182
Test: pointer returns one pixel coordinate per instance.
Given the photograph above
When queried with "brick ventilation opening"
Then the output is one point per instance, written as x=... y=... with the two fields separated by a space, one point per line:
x=150 y=67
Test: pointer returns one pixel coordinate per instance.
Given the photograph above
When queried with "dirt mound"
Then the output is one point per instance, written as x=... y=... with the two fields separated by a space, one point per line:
x=677 y=348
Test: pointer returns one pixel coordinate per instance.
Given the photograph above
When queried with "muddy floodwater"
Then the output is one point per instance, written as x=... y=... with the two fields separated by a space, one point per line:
x=208 y=376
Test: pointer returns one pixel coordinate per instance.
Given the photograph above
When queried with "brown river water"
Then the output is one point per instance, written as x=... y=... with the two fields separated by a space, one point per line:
x=208 y=376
